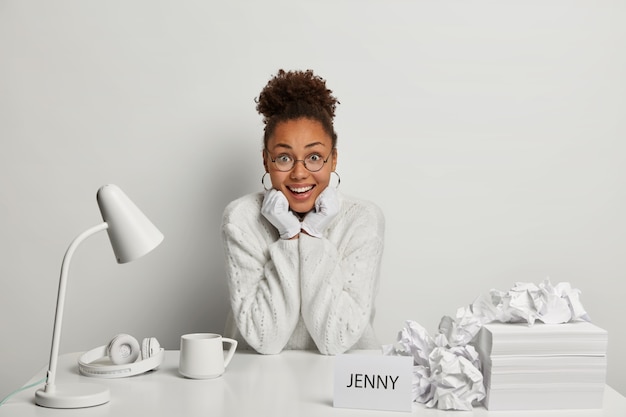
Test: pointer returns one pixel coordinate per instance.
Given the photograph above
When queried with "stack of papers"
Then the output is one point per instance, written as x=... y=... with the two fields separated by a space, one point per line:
x=543 y=366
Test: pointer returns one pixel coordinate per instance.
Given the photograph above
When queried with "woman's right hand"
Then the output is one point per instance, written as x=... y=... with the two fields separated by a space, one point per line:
x=275 y=208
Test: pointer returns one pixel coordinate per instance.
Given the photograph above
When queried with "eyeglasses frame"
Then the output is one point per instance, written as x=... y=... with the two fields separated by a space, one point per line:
x=299 y=160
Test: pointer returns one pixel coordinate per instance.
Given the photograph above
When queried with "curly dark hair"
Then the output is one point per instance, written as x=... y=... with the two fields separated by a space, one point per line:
x=293 y=95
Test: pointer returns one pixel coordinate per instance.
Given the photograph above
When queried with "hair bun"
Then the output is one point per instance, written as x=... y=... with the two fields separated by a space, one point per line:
x=291 y=93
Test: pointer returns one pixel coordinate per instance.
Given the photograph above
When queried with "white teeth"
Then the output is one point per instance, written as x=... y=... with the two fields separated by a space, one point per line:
x=301 y=190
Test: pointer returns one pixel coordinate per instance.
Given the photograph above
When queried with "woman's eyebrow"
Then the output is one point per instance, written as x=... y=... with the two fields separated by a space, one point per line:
x=311 y=145
x=282 y=145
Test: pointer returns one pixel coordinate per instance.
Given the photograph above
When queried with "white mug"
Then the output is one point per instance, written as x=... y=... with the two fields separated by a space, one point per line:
x=202 y=355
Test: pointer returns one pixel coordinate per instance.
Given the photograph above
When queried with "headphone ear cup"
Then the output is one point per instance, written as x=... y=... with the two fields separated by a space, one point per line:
x=123 y=349
x=149 y=347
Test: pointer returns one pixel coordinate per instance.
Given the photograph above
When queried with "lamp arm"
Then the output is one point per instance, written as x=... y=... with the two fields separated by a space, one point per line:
x=58 y=318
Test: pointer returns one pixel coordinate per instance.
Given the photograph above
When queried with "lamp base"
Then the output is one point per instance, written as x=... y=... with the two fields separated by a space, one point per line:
x=73 y=396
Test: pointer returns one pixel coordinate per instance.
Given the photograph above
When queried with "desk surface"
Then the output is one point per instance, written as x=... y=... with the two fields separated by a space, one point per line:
x=293 y=383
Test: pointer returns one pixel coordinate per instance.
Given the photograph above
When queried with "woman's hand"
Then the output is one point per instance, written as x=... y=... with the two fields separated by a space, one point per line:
x=275 y=208
x=326 y=208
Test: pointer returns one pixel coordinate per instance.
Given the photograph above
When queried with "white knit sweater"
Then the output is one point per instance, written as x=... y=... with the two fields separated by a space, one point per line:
x=307 y=292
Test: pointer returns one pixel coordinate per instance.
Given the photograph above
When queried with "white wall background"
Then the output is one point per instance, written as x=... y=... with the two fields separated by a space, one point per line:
x=491 y=133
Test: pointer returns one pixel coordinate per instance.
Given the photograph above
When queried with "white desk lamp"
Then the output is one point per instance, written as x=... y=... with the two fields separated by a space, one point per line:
x=132 y=235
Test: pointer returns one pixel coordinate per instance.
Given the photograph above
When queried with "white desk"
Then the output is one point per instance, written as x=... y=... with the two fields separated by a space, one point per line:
x=294 y=383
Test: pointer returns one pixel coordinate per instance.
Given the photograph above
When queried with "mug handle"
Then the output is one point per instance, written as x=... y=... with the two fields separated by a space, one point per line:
x=231 y=350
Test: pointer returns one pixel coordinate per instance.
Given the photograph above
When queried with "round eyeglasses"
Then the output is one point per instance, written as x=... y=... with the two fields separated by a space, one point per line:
x=312 y=162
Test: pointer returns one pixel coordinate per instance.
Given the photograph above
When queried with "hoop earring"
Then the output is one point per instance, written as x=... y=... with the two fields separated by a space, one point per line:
x=338 y=179
x=263 y=182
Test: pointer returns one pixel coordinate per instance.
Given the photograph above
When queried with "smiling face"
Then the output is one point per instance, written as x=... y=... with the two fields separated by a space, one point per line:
x=300 y=139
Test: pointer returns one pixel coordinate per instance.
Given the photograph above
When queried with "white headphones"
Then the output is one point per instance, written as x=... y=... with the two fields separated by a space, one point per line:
x=128 y=360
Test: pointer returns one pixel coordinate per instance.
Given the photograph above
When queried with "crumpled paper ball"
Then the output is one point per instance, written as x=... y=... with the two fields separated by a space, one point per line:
x=444 y=376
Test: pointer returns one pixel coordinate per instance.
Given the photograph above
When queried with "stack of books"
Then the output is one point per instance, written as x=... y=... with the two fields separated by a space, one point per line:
x=543 y=366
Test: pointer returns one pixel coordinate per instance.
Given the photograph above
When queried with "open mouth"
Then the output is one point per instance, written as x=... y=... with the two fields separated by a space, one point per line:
x=301 y=190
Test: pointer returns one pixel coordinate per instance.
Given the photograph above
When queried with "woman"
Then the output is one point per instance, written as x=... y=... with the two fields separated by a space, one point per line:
x=302 y=260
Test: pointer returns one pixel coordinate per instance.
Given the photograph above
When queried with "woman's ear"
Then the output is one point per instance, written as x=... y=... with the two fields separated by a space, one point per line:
x=265 y=162
x=334 y=159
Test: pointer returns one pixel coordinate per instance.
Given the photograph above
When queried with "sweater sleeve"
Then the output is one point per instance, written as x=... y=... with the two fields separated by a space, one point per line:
x=264 y=288
x=339 y=282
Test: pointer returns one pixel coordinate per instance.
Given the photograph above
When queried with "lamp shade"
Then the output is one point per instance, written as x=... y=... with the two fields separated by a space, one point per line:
x=131 y=234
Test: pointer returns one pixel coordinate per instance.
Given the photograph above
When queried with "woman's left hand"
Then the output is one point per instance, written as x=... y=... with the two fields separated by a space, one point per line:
x=326 y=208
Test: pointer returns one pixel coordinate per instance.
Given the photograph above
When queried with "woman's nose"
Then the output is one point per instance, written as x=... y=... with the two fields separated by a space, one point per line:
x=299 y=170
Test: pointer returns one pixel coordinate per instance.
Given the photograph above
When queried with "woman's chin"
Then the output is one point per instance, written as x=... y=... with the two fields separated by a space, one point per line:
x=301 y=207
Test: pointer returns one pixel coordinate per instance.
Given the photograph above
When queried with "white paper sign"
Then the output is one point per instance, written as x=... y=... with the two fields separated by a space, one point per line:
x=373 y=382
